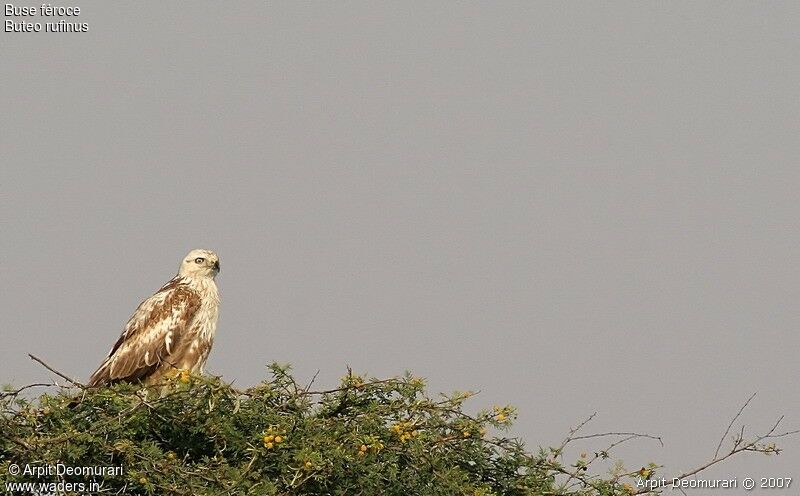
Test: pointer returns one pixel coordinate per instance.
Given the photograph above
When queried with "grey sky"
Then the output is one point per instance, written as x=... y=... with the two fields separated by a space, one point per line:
x=573 y=207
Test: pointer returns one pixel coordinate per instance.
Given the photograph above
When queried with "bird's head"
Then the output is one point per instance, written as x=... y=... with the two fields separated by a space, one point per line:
x=200 y=263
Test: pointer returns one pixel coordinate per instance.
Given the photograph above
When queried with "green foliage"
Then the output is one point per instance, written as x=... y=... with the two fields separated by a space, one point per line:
x=198 y=435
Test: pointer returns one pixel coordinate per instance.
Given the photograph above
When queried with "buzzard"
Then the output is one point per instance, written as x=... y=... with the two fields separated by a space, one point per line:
x=171 y=331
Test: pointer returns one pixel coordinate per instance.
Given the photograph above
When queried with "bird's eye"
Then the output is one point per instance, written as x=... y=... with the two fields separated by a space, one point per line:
x=199 y=260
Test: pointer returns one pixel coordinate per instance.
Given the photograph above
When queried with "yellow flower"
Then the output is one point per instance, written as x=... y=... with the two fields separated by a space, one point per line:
x=269 y=445
x=501 y=417
x=278 y=439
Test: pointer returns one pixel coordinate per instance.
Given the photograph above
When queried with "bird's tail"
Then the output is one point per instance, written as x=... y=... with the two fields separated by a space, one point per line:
x=102 y=375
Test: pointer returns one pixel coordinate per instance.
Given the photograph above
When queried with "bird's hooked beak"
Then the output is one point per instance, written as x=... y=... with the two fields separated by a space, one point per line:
x=216 y=266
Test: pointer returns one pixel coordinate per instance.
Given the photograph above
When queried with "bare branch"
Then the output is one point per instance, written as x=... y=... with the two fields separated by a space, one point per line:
x=631 y=435
x=15 y=392
x=574 y=430
x=51 y=369
x=740 y=444
x=733 y=420
x=577 y=475
x=311 y=382
x=784 y=434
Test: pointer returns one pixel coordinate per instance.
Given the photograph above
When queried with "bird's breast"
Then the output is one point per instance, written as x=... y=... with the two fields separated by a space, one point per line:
x=205 y=322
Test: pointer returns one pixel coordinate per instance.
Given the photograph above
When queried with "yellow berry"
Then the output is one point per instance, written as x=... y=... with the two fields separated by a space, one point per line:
x=363 y=447
x=309 y=465
x=143 y=480
x=361 y=453
x=278 y=439
x=269 y=445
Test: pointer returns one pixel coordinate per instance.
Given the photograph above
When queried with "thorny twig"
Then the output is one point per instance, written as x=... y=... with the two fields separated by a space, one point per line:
x=631 y=435
x=576 y=474
x=51 y=369
x=740 y=444
x=722 y=439
x=15 y=392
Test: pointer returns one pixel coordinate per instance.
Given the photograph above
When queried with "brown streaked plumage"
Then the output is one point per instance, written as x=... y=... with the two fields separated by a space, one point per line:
x=170 y=331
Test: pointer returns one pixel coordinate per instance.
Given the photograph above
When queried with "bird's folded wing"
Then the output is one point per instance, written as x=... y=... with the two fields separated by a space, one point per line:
x=151 y=335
